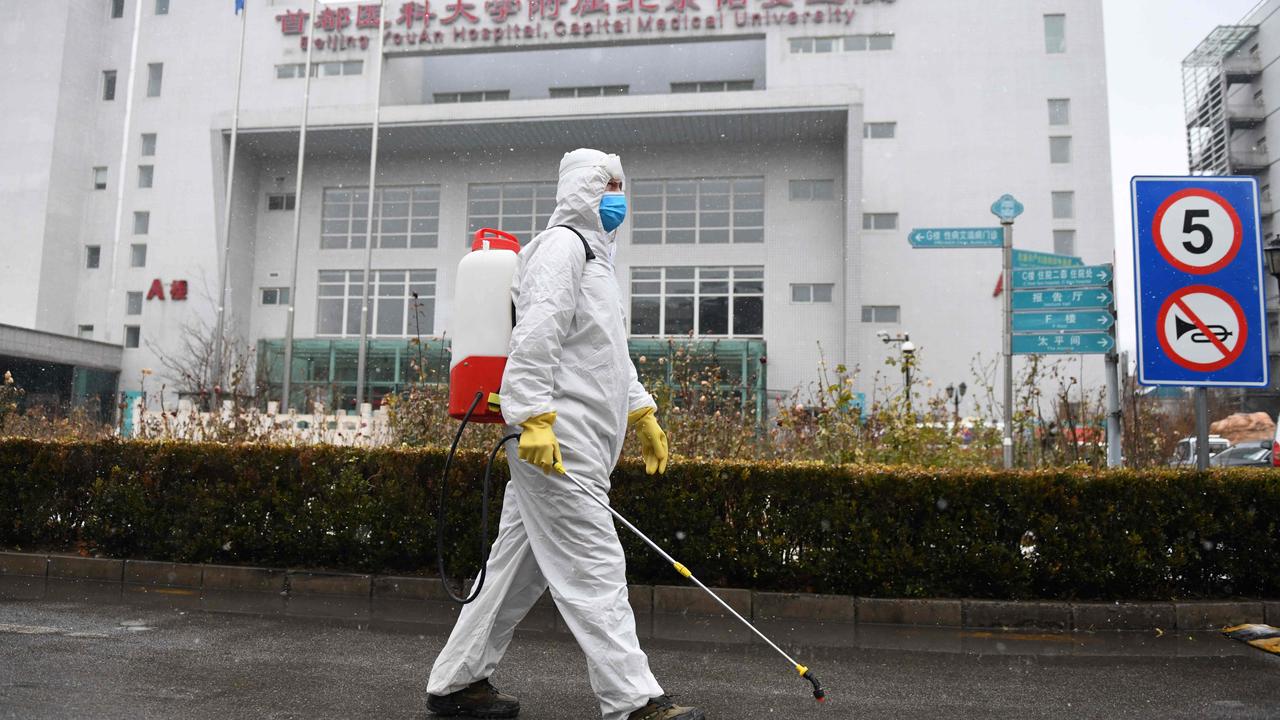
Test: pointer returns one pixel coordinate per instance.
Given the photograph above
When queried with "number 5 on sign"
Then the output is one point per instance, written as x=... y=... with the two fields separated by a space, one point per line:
x=1197 y=231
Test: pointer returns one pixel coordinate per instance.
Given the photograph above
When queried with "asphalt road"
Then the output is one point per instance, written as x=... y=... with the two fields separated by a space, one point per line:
x=61 y=660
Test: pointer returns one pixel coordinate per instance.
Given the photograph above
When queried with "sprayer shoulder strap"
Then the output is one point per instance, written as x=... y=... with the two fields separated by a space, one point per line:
x=590 y=255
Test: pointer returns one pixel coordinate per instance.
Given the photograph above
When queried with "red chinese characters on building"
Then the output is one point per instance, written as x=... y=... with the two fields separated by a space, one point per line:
x=413 y=12
x=502 y=10
x=292 y=22
x=177 y=290
x=459 y=10
x=369 y=16
x=544 y=9
x=334 y=19
x=683 y=6
x=589 y=7
x=630 y=6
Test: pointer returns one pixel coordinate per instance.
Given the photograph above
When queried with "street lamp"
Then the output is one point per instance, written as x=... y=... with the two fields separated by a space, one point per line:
x=908 y=358
x=954 y=393
x=1272 y=253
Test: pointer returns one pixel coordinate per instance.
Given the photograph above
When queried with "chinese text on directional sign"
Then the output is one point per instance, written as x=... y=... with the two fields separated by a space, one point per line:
x=943 y=238
x=1198 y=279
x=1070 y=310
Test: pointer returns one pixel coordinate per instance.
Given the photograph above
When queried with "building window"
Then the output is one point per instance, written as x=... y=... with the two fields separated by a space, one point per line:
x=1059 y=111
x=133 y=303
x=811 y=292
x=284 y=201
x=132 y=336
x=162 y=7
x=698 y=301
x=590 y=91
x=275 y=296
x=155 y=78
x=403 y=217
x=521 y=209
x=842 y=43
x=708 y=210
x=880 y=130
x=879 y=221
x=92 y=256
x=881 y=313
x=108 y=84
x=1060 y=150
x=713 y=86
x=471 y=96
x=84 y=332
x=1064 y=242
x=146 y=175
x=117 y=8
x=1064 y=205
x=403 y=302
x=334 y=68
x=148 y=144
x=141 y=223
x=1055 y=34
x=100 y=178
x=138 y=255
x=813 y=189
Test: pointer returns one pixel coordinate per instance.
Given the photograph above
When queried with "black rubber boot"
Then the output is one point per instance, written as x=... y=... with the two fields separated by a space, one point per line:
x=661 y=708
x=477 y=700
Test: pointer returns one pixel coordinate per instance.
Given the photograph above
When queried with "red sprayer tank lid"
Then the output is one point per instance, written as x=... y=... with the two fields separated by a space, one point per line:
x=497 y=240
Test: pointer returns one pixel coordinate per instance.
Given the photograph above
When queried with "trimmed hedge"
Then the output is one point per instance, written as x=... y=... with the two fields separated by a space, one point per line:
x=869 y=531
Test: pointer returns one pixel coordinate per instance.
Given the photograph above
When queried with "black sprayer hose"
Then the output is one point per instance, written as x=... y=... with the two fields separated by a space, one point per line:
x=484 y=509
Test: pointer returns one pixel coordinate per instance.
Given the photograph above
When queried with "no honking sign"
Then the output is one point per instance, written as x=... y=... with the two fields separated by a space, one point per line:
x=1198 y=280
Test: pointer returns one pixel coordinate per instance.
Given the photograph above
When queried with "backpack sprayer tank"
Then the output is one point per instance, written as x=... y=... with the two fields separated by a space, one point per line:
x=483 y=319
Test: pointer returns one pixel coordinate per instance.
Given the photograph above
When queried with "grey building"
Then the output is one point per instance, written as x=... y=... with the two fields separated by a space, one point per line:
x=778 y=152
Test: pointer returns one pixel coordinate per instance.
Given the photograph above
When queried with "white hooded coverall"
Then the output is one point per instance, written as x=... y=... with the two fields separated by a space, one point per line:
x=568 y=354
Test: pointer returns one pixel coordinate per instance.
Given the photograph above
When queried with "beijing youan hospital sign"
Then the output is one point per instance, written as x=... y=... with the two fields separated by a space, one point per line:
x=441 y=24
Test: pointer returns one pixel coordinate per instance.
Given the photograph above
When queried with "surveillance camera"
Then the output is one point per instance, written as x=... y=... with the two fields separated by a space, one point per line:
x=882 y=334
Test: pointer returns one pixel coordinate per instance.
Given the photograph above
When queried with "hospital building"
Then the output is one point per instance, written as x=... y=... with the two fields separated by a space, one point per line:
x=778 y=154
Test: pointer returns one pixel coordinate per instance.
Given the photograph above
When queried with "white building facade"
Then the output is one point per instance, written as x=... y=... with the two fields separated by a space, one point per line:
x=777 y=153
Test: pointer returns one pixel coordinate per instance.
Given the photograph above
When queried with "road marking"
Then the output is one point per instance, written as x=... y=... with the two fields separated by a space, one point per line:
x=28 y=629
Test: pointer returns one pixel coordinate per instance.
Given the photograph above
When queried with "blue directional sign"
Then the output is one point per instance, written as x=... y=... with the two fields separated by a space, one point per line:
x=1072 y=343
x=944 y=238
x=1063 y=320
x=1031 y=258
x=1066 y=298
x=1007 y=208
x=1201 y=314
x=1082 y=276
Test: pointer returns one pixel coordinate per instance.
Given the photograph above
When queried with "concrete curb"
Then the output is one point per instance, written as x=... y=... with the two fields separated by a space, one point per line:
x=237 y=589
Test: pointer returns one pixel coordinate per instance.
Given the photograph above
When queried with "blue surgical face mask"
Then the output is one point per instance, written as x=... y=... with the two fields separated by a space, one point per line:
x=613 y=210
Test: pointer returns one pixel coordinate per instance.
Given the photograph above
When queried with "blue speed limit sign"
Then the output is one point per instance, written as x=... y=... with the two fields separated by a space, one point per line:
x=1201 y=313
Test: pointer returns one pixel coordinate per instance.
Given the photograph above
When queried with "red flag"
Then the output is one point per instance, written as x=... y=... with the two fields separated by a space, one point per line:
x=999 y=286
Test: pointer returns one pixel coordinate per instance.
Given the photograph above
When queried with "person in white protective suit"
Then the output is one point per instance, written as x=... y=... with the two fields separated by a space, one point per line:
x=571 y=388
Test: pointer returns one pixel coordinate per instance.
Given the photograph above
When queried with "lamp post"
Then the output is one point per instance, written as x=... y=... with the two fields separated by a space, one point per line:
x=908 y=349
x=954 y=393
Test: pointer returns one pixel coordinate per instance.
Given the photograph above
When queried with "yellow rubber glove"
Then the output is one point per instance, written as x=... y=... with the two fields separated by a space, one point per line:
x=653 y=441
x=538 y=444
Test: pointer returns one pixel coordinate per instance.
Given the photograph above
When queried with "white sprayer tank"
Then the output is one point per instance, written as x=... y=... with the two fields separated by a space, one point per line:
x=482 y=322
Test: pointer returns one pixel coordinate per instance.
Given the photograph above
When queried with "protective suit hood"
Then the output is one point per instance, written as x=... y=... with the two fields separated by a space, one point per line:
x=584 y=175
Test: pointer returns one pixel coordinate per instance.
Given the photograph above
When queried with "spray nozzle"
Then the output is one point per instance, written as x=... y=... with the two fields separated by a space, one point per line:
x=818 y=693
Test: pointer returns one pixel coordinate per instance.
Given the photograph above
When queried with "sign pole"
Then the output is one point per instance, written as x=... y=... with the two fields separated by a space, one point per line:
x=362 y=355
x=1007 y=441
x=297 y=216
x=1202 y=428
x=223 y=300
x=1114 y=438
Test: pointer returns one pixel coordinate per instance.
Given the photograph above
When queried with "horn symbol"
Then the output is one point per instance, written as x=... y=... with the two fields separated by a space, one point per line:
x=1182 y=327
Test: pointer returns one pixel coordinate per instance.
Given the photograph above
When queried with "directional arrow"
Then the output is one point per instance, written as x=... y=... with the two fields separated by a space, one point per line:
x=1063 y=343
x=1084 y=276
x=1071 y=298
x=1069 y=320
x=944 y=238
